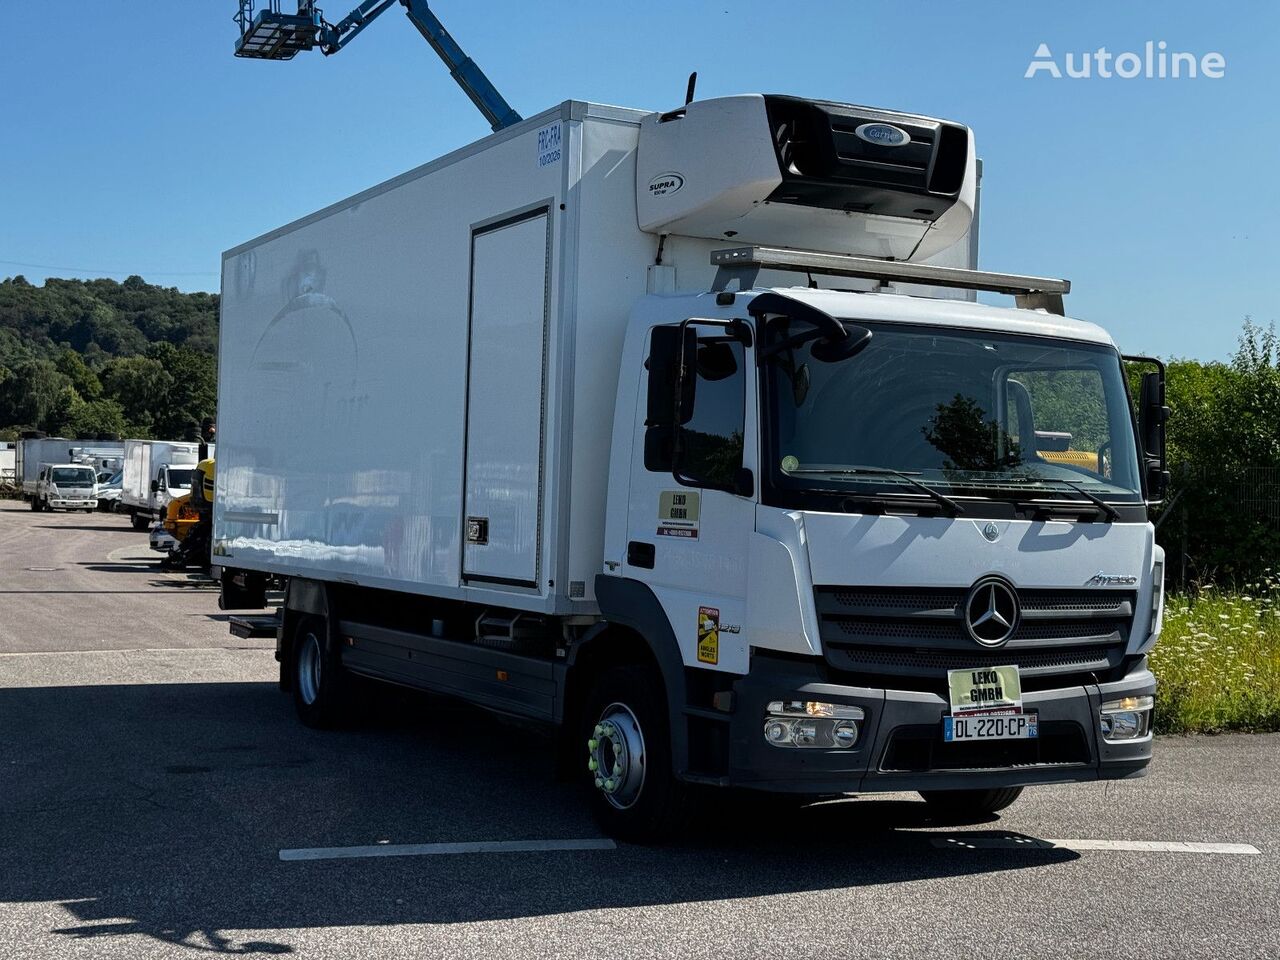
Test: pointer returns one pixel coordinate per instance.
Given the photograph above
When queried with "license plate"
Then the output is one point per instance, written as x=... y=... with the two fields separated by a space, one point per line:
x=977 y=726
x=985 y=689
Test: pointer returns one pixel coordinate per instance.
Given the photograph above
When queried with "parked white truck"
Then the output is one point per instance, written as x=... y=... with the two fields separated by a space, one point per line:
x=155 y=471
x=34 y=451
x=684 y=431
x=66 y=486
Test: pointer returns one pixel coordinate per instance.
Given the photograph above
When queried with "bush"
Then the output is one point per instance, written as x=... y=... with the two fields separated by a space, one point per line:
x=1224 y=452
x=1217 y=664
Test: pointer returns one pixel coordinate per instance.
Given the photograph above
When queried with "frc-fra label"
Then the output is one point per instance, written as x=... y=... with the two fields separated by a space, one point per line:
x=678 y=513
x=708 y=635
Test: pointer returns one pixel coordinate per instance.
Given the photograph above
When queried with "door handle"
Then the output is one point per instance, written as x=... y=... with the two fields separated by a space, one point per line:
x=640 y=554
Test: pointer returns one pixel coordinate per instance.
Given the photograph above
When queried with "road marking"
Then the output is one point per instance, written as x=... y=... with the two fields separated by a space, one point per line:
x=1124 y=846
x=116 y=650
x=437 y=849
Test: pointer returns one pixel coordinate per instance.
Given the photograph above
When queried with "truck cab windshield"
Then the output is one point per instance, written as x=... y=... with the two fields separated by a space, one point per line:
x=72 y=476
x=179 y=478
x=967 y=413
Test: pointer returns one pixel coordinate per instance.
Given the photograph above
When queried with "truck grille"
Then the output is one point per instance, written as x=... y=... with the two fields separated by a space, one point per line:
x=907 y=638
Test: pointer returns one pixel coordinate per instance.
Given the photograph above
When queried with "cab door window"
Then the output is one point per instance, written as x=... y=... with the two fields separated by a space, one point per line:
x=710 y=444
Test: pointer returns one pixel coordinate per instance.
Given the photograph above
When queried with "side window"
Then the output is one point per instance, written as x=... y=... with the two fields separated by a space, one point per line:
x=711 y=442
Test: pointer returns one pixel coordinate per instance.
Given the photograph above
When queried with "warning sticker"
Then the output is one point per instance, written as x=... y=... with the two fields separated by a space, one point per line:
x=708 y=635
x=678 y=513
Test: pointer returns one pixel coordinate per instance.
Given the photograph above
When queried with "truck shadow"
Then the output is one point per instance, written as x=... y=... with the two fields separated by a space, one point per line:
x=158 y=811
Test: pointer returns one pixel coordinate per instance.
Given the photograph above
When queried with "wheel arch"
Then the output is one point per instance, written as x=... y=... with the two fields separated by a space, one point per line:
x=634 y=628
x=302 y=598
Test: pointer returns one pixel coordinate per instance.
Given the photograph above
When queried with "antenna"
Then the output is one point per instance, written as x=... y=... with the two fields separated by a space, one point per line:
x=688 y=93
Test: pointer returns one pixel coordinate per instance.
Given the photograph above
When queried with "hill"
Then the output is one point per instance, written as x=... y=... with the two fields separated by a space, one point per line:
x=87 y=358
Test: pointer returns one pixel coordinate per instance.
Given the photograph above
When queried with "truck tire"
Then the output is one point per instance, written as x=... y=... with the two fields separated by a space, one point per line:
x=318 y=680
x=139 y=521
x=634 y=792
x=970 y=804
x=35 y=505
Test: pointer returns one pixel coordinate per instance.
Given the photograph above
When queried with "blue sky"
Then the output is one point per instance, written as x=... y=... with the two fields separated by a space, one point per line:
x=134 y=142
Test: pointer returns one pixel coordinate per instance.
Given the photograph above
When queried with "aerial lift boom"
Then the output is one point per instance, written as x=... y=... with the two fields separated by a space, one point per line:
x=272 y=35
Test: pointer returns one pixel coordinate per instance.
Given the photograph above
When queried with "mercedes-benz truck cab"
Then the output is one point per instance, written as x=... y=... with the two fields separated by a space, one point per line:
x=716 y=463
x=906 y=539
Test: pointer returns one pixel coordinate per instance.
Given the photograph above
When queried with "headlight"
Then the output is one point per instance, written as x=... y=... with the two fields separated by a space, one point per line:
x=811 y=723
x=1126 y=719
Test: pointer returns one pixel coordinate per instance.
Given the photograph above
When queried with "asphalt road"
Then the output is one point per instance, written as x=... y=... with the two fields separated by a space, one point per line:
x=151 y=773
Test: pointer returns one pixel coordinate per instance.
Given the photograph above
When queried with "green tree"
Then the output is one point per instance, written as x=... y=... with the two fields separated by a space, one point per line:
x=140 y=385
x=71 y=365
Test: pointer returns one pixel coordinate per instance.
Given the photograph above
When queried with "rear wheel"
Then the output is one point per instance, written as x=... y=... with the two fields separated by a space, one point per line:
x=35 y=505
x=318 y=677
x=962 y=804
x=634 y=792
x=139 y=521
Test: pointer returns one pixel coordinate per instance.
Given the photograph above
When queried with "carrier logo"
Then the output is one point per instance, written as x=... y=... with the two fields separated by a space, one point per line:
x=883 y=134
x=1101 y=579
x=665 y=183
x=991 y=611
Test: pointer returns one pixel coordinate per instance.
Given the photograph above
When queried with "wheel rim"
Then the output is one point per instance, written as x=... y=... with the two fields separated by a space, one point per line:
x=616 y=757
x=309 y=666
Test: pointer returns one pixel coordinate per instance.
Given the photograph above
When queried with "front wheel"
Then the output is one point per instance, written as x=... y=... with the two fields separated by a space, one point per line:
x=970 y=804
x=634 y=793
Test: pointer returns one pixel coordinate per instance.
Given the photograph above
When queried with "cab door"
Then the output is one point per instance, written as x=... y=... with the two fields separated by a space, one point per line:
x=691 y=509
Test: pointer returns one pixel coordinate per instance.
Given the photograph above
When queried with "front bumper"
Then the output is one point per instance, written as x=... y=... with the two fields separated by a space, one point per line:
x=163 y=542
x=901 y=746
x=66 y=503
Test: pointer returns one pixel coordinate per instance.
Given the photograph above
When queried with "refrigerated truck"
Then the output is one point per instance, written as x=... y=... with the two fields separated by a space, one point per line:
x=683 y=432
x=155 y=471
x=32 y=453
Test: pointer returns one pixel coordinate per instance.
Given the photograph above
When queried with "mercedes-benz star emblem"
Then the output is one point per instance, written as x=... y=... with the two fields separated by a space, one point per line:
x=991 y=532
x=991 y=611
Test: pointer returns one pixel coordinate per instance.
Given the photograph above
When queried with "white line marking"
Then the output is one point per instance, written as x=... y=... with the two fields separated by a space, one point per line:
x=76 y=653
x=437 y=849
x=1126 y=846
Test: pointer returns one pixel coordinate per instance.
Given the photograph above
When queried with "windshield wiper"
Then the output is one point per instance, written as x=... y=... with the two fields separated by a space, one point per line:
x=1108 y=511
x=950 y=506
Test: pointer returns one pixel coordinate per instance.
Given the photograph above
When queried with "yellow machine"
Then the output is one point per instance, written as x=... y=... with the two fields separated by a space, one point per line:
x=1075 y=458
x=185 y=512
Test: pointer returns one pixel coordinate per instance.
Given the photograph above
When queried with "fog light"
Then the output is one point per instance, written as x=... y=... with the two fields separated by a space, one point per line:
x=1128 y=718
x=778 y=732
x=845 y=733
x=812 y=723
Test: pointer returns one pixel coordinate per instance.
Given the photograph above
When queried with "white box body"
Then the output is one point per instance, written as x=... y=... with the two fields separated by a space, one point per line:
x=143 y=459
x=438 y=356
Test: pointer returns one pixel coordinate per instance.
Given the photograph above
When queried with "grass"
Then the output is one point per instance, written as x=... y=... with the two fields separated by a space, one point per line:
x=1218 y=660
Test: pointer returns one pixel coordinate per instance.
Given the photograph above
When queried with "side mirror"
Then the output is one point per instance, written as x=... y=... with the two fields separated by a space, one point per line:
x=155 y=486
x=1152 y=415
